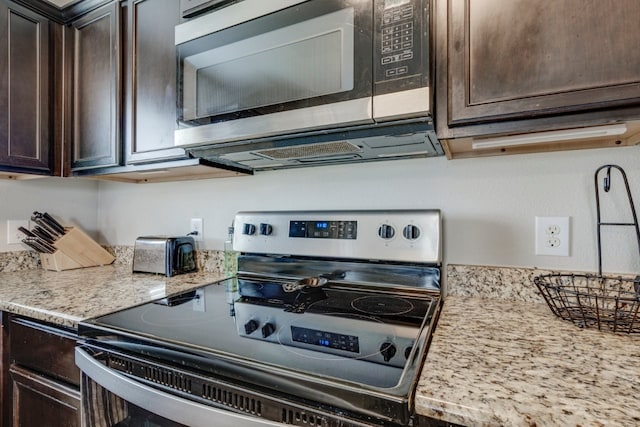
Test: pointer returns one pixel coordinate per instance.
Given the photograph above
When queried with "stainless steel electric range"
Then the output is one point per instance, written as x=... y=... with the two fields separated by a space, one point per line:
x=326 y=324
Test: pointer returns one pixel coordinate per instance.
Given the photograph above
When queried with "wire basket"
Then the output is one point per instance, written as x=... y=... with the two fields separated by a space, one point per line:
x=606 y=303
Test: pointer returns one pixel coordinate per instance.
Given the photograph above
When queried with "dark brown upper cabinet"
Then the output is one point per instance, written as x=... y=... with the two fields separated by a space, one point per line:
x=150 y=85
x=24 y=91
x=520 y=66
x=94 y=76
x=138 y=146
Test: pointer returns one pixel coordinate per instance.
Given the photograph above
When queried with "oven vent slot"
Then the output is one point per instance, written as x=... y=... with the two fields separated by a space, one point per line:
x=301 y=418
x=167 y=378
x=121 y=364
x=235 y=400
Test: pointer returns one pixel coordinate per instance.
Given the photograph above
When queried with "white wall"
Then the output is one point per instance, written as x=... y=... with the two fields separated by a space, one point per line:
x=72 y=201
x=488 y=204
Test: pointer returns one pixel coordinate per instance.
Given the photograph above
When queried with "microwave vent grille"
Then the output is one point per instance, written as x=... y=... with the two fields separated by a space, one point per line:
x=310 y=150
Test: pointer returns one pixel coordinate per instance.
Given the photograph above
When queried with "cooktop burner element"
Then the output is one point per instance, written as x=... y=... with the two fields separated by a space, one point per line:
x=382 y=305
x=330 y=312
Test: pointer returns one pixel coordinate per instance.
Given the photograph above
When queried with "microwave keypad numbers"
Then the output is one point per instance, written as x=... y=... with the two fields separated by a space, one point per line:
x=397 y=37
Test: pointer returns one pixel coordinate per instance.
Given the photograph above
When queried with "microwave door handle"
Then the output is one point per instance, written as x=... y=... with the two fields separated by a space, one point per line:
x=172 y=407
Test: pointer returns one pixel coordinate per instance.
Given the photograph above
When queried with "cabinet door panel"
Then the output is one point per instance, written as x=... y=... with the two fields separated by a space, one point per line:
x=45 y=350
x=96 y=89
x=24 y=89
x=521 y=58
x=41 y=402
x=151 y=80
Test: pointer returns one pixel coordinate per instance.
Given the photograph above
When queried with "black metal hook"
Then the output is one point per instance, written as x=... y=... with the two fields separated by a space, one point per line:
x=607 y=180
x=599 y=222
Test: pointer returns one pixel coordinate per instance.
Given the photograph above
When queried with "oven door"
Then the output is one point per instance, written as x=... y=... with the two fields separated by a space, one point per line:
x=112 y=399
x=256 y=69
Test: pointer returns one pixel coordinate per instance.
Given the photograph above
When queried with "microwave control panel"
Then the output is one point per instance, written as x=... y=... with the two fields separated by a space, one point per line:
x=401 y=40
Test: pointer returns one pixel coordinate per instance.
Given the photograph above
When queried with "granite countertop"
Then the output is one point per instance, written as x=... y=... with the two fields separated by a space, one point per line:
x=509 y=363
x=492 y=362
x=64 y=298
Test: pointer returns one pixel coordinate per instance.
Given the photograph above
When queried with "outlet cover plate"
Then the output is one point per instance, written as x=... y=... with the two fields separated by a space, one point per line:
x=14 y=236
x=196 y=226
x=552 y=235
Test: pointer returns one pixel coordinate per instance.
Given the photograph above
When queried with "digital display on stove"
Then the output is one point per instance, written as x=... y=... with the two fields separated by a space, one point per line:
x=325 y=339
x=320 y=229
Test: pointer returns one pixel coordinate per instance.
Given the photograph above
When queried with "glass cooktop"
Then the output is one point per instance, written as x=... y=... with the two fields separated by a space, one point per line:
x=326 y=332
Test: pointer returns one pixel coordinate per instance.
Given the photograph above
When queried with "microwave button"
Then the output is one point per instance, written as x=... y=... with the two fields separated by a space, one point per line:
x=402 y=70
x=407 y=26
x=387 y=60
x=406 y=55
x=392 y=72
x=407 y=14
x=387 y=30
x=386 y=50
x=407 y=45
x=386 y=37
x=386 y=43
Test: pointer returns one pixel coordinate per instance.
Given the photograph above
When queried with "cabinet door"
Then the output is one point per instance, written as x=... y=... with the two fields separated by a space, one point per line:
x=5 y=384
x=95 y=80
x=151 y=80
x=520 y=59
x=24 y=90
x=40 y=402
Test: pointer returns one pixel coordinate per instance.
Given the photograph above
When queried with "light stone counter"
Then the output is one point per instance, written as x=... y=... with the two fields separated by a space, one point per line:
x=64 y=298
x=494 y=362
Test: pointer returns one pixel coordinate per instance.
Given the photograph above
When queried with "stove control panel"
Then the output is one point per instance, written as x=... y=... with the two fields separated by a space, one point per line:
x=352 y=337
x=390 y=235
x=322 y=229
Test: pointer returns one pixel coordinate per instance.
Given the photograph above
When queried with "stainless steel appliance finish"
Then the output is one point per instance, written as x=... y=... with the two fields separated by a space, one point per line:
x=164 y=255
x=257 y=76
x=191 y=8
x=261 y=348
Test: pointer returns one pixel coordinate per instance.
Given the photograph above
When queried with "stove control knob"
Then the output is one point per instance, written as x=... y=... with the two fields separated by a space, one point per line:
x=266 y=229
x=249 y=229
x=387 y=350
x=386 y=231
x=268 y=329
x=411 y=232
x=250 y=327
x=407 y=352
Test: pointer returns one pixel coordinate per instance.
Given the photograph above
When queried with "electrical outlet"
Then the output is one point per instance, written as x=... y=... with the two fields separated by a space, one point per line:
x=552 y=235
x=196 y=229
x=15 y=236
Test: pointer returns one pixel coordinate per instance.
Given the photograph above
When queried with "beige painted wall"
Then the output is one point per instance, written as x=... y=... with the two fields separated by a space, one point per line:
x=488 y=204
x=72 y=201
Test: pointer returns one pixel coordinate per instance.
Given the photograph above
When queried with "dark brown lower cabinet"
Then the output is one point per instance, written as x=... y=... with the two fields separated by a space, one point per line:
x=41 y=401
x=5 y=389
x=44 y=380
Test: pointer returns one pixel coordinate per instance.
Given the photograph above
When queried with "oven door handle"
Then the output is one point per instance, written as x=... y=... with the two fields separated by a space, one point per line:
x=166 y=405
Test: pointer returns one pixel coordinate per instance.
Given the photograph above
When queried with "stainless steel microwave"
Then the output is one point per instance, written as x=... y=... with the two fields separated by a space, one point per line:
x=283 y=83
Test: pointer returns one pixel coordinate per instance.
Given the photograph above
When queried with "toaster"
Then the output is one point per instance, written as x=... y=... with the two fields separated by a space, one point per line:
x=164 y=255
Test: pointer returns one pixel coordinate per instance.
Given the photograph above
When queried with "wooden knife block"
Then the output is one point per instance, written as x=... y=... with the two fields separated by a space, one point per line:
x=75 y=250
